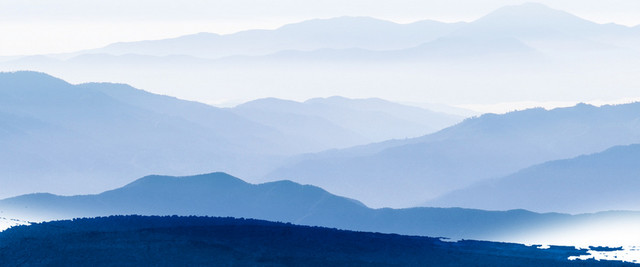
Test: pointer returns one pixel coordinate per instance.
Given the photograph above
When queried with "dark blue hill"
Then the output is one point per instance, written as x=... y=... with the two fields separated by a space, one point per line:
x=171 y=241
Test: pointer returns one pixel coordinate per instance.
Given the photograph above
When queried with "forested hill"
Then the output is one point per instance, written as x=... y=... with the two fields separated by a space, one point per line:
x=172 y=241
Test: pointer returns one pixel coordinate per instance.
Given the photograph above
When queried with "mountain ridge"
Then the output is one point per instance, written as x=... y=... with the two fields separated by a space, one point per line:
x=55 y=134
x=219 y=194
x=524 y=15
x=371 y=119
x=548 y=63
x=478 y=148
x=355 y=29
x=587 y=183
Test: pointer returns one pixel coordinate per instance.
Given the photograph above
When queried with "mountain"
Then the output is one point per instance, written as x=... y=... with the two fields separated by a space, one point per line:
x=527 y=22
x=224 y=123
x=355 y=121
x=91 y=137
x=292 y=118
x=219 y=194
x=76 y=138
x=602 y=181
x=518 y=53
x=138 y=240
x=529 y=32
x=530 y=20
x=336 y=33
x=216 y=193
x=404 y=173
x=546 y=29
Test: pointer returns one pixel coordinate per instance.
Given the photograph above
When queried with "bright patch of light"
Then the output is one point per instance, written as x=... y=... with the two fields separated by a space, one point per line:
x=626 y=254
x=6 y=223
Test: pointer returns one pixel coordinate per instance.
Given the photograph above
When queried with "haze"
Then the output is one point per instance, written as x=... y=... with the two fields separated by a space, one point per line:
x=366 y=116
x=40 y=27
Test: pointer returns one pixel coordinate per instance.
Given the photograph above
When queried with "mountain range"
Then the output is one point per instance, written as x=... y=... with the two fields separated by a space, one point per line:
x=73 y=139
x=535 y=25
x=219 y=194
x=316 y=149
x=369 y=120
x=87 y=138
x=547 y=52
x=57 y=136
x=602 y=181
x=336 y=33
x=404 y=173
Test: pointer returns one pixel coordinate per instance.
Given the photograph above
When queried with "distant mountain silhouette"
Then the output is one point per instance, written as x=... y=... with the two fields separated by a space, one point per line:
x=601 y=181
x=72 y=139
x=82 y=138
x=533 y=23
x=213 y=194
x=356 y=121
x=137 y=240
x=530 y=20
x=502 y=30
x=541 y=53
x=219 y=194
x=409 y=172
x=336 y=33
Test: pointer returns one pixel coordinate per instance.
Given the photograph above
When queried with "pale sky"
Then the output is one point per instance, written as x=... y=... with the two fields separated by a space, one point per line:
x=54 y=26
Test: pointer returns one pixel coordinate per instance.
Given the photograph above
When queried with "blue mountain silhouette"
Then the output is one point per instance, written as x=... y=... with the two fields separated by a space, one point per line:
x=219 y=194
x=344 y=121
x=409 y=172
x=336 y=33
x=602 y=181
x=70 y=139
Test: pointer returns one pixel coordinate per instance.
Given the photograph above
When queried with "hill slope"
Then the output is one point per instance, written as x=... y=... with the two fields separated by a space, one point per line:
x=409 y=172
x=219 y=194
x=603 y=181
x=357 y=121
x=336 y=33
x=88 y=138
x=70 y=139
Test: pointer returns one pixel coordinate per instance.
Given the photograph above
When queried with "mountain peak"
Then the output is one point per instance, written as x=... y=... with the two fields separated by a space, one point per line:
x=268 y=102
x=217 y=178
x=530 y=8
x=29 y=79
x=534 y=13
x=529 y=20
